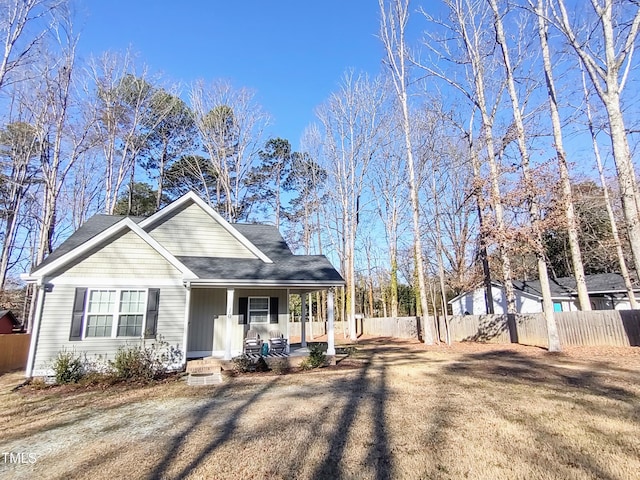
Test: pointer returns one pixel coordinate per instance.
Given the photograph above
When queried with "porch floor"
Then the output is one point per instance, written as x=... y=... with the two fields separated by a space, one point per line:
x=295 y=350
x=294 y=358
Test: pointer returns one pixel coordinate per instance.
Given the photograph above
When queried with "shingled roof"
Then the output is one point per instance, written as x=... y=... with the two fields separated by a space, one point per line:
x=89 y=229
x=566 y=286
x=286 y=266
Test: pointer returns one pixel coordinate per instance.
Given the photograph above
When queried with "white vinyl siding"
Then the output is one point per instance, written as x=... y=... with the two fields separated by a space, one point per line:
x=207 y=325
x=125 y=256
x=193 y=232
x=206 y=305
x=56 y=325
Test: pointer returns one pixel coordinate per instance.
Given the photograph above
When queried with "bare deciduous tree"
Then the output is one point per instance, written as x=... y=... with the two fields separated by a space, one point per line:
x=624 y=271
x=231 y=127
x=532 y=201
x=392 y=32
x=567 y=197
x=352 y=127
x=471 y=34
x=605 y=47
x=23 y=26
x=19 y=151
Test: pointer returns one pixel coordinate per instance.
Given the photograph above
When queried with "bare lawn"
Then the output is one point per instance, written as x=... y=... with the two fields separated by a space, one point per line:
x=395 y=409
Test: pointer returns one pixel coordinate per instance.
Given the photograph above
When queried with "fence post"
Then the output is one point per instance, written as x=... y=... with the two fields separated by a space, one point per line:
x=512 y=325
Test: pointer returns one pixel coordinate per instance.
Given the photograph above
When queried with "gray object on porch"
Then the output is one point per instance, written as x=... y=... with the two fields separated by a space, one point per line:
x=277 y=342
x=252 y=343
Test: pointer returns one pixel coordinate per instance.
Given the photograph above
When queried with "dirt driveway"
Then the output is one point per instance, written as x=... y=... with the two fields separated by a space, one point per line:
x=397 y=409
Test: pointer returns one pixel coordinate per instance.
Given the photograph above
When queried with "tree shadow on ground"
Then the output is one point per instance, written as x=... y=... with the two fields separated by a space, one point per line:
x=583 y=387
x=369 y=387
x=199 y=417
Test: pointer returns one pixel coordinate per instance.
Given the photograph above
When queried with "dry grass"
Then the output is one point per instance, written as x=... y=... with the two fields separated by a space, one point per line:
x=467 y=411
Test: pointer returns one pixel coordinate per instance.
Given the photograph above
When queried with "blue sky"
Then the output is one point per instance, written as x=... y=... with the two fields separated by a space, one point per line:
x=292 y=52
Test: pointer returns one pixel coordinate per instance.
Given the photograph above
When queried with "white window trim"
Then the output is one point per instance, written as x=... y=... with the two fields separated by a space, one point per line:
x=258 y=310
x=115 y=311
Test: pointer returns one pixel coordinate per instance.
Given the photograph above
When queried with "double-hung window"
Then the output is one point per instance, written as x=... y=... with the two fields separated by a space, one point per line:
x=115 y=313
x=100 y=313
x=258 y=309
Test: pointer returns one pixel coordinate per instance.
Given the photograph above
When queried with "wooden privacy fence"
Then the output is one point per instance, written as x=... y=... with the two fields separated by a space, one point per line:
x=401 y=327
x=318 y=329
x=14 y=350
x=602 y=327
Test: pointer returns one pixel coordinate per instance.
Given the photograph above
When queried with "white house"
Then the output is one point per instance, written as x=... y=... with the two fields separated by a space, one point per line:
x=606 y=292
x=184 y=274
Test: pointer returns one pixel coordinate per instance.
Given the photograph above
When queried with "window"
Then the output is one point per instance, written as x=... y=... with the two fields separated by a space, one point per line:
x=258 y=309
x=132 y=306
x=127 y=306
x=99 y=313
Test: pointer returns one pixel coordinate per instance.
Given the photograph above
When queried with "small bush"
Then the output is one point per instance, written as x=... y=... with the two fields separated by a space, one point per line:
x=135 y=363
x=261 y=365
x=280 y=366
x=316 y=358
x=68 y=367
x=145 y=364
x=242 y=364
x=348 y=350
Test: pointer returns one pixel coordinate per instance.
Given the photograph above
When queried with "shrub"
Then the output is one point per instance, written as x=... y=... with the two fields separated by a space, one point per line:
x=145 y=364
x=242 y=364
x=349 y=350
x=261 y=365
x=134 y=363
x=280 y=366
x=316 y=358
x=68 y=367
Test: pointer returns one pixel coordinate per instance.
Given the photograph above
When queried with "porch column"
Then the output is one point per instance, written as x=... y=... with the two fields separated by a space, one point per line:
x=227 y=340
x=331 y=344
x=310 y=309
x=187 y=313
x=35 y=330
x=303 y=320
x=288 y=321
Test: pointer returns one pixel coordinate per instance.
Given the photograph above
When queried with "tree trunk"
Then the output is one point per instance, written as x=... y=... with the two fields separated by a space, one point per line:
x=567 y=196
x=393 y=37
x=443 y=292
x=534 y=214
x=624 y=271
x=606 y=69
x=480 y=204
x=471 y=43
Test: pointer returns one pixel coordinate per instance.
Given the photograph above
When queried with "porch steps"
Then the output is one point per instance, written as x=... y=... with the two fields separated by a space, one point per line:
x=200 y=379
x=204 y=372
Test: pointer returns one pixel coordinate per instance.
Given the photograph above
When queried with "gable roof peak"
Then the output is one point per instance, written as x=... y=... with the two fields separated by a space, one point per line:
x=192 y=197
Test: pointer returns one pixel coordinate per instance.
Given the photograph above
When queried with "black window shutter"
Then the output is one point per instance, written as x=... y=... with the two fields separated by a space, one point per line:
x=77 y=319
x=273 y=310
x=153 y=302
x=243 y=309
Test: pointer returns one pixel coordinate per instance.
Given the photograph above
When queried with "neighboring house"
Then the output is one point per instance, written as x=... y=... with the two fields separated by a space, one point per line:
x=8 y=322
x=606 y=292
x=184 y=274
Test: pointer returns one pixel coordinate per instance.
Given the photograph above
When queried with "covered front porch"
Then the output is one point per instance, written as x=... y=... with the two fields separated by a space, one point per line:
x=218 y=318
